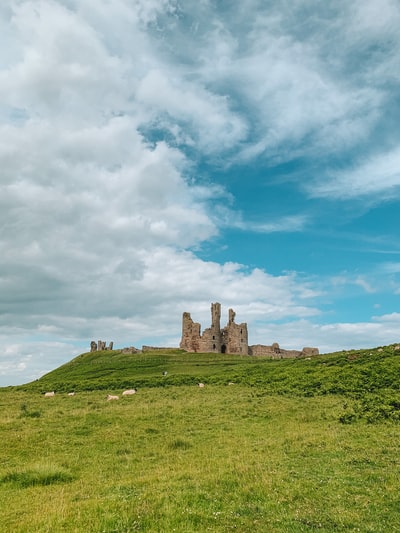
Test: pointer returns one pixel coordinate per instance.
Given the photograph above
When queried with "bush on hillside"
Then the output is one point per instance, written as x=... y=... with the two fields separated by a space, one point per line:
x=373 y=408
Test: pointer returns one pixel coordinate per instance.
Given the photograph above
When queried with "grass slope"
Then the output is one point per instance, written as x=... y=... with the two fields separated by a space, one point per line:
x=293 y=446
x=356 y=372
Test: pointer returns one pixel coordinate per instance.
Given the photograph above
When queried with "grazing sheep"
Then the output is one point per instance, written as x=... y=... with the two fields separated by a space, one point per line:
x=71 y=394
x=201 y=385
x=111 y=397
x=164 y=373
x=49 y=394
x=129 y=392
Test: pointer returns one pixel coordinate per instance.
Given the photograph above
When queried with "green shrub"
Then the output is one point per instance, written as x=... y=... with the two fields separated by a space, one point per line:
x=382 y=406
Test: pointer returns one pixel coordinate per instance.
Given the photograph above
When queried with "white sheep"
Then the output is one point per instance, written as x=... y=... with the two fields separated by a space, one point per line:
x=129 y=392
x=111 y=397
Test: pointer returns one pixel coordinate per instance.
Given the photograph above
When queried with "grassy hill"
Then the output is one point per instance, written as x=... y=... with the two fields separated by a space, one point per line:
x=292 y=446
x=355 y=372
x=342 y=372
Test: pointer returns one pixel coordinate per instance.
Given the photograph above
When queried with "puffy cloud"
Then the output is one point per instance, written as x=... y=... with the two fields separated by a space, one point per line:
x=209 y=122
x=294 y=79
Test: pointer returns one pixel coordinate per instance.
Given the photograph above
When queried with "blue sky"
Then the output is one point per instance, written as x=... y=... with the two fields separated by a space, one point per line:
x=157 y=156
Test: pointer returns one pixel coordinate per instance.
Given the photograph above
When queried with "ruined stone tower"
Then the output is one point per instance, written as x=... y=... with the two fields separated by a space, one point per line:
x=232 y=338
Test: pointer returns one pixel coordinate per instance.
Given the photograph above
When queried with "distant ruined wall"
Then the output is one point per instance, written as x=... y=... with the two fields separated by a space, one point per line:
x=130 y=350
x=100 y=345
x=310 y=351
x=164 y=349
x=275 y=352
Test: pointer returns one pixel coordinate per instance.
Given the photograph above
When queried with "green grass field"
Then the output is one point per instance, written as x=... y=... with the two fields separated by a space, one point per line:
x=291 y=446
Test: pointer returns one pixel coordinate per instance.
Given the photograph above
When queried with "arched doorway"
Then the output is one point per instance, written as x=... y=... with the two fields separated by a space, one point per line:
x=223 y=348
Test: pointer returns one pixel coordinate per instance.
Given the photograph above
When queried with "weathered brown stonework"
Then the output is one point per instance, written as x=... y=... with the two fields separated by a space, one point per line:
x=233 y=338
x=100 y=345
x=130 y=350
x=275 y=352
x=230 y=339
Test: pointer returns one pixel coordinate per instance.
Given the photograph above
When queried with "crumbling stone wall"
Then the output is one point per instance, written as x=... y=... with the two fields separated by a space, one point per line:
x=233 y=338
x=310 y=351
x=275 y=352
x=130 y=350
x=190 y=334
x=100 y=345
x=163 y=349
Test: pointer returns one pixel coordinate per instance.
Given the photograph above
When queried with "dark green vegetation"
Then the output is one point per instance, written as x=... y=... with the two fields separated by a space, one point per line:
x=267 y=446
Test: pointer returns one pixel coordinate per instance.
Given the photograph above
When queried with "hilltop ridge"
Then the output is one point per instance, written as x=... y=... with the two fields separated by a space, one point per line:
x=345 y=372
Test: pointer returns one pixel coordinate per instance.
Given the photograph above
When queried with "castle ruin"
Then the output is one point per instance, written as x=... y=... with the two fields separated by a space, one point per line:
x=232 y=339
x=99 y=346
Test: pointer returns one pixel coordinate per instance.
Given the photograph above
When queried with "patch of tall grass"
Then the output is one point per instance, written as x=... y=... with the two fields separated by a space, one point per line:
x=40 y=474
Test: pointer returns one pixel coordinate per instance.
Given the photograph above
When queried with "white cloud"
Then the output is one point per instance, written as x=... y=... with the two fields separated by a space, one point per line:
x=390 y=268
x=364 y=284
x=24 y=361
x=287 y=76
x=63 y=63
x=374 y=21
x=370 y=283
x=284 y=224
x=379 y=174
x=226 y=216
x=212 y=126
